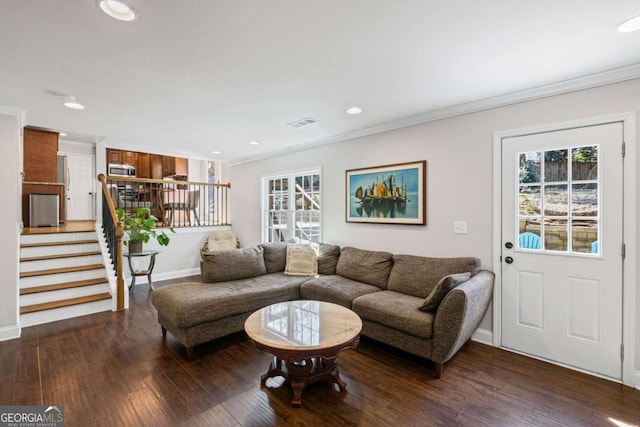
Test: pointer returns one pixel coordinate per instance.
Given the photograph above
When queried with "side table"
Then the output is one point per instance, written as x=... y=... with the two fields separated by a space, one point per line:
x=147 y=272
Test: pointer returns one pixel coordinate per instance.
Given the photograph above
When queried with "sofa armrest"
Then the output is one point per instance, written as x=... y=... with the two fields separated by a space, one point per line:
x=459 y=314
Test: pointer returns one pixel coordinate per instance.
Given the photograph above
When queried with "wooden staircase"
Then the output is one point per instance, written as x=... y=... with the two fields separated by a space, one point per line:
x=62 y=275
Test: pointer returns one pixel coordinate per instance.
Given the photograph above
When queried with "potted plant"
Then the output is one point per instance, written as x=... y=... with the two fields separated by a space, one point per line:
x=139 y=226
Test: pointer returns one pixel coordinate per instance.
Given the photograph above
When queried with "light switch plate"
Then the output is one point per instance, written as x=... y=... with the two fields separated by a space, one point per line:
x=460 y=227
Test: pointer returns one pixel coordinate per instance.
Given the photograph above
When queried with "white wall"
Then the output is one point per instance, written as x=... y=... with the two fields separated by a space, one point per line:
x=67 y=146
x=459 y=177
x=10 y=144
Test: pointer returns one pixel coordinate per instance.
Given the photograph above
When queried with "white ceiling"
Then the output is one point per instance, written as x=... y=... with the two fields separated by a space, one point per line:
x=190 y=77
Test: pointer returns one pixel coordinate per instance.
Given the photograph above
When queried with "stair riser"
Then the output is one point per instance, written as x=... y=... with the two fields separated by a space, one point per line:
x=56 y=237
x=62 y=294
x=61 y=278
x=60 y=263
x=46 y=316
x=57 y=250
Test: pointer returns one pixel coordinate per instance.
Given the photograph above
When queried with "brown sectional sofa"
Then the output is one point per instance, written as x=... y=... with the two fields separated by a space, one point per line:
x=385 y=290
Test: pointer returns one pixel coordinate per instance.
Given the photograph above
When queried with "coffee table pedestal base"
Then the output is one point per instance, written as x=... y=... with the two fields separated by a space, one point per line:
x=301 y=371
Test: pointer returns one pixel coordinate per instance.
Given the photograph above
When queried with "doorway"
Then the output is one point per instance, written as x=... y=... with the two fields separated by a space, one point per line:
x=560 y=243
x=80 y=192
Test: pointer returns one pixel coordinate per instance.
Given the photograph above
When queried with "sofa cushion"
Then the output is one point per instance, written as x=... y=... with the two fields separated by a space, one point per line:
x=328 y=256
x=275 y=255
x=371 y=267
x=189 y=304
x=397 y=311
x=441 y=290
x=301 y=260
x=335 y=289
x=222 y=266
x=417 y=275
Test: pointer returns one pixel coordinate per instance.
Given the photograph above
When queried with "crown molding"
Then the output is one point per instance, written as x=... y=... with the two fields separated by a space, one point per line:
x=586 y=82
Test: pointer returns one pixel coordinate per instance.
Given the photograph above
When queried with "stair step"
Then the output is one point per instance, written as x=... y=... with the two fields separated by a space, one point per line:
x=71 y=255
x=61 y=270
x=64 y=303
x=59 y=286
x=60 y=243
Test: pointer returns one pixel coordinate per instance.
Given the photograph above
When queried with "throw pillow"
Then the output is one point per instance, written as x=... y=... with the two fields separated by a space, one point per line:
x=441 y=290
x=301 y=261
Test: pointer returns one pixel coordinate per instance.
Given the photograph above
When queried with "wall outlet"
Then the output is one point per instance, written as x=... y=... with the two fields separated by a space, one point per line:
x=460 y=227
x=136 y=263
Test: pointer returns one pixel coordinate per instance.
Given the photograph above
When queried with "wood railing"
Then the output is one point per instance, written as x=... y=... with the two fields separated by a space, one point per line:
x=174 y=203
x=114 y=230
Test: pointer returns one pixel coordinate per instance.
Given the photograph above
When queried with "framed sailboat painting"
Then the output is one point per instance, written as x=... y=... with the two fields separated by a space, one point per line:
x=389 y=194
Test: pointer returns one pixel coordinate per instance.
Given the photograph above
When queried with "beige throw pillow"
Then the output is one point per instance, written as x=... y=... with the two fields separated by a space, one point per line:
x=441 y=290
x=301 y=261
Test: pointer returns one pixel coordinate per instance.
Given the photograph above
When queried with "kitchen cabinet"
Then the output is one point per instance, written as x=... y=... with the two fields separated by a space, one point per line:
x=129 y=158
x=172 y=166
x=155 y=162
x=121 y=157
x=40 y=149
x=143 y=169
x=114 y=156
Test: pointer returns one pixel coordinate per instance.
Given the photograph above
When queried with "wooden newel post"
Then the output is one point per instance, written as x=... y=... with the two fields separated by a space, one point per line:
x=119 y=274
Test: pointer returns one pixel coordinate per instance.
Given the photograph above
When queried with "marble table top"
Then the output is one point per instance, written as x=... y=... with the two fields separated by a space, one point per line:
x=298 y=325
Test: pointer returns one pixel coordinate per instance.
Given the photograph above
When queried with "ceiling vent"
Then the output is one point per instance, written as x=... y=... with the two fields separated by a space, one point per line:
x=307 y=121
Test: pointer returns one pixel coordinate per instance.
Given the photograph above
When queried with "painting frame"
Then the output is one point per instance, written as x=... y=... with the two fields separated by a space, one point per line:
x=387 y=194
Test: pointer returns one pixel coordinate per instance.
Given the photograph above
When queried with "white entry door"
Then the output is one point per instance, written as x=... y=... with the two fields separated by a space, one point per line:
x=80 y=190
x=562 y=204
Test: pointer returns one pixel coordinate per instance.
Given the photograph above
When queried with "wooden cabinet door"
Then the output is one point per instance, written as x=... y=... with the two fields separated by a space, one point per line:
x=129 y=158
x=168 y=166
x=114 y=156
x=182 y=166
x=40 y=155
x=155 y=161
x=143 y=169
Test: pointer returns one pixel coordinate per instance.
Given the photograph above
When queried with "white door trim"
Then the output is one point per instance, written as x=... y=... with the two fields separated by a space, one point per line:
x=629 y=228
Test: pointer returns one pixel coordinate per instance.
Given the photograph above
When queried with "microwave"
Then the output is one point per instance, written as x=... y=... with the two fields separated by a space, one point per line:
x=122 y=170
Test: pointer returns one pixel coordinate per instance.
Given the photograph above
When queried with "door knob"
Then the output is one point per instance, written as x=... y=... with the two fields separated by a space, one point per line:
x=508 y=260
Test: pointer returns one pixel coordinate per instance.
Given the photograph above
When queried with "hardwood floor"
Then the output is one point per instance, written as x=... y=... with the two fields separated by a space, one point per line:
x=114 y=369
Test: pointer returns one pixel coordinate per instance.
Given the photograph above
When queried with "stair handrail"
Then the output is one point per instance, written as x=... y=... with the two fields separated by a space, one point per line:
x=119 y=233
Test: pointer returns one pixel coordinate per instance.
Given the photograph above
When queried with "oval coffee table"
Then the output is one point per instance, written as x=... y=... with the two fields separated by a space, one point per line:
x=305 y=338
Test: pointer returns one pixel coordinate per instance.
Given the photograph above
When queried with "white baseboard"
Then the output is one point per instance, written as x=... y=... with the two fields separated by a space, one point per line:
x=484 y=336
x=636 y=380
x=9 y=333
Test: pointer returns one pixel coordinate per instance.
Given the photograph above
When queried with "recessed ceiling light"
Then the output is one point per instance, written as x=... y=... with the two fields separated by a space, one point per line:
x=117 y=10
x=62 y=134
x=631 y=24
x=354 y=110
x=70 y=102
x=215 y=152
x=254 y=143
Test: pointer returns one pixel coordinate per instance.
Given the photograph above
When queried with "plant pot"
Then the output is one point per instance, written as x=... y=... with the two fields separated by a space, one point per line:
x=135 y=246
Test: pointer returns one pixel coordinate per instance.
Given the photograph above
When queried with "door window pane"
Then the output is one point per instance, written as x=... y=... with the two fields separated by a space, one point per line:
x=530 y=198
x=584 y=200
x=584 y=163
x=530 y=167
x=585 y=236
x=555 y=235
x=555 y=165
x=556 y=201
